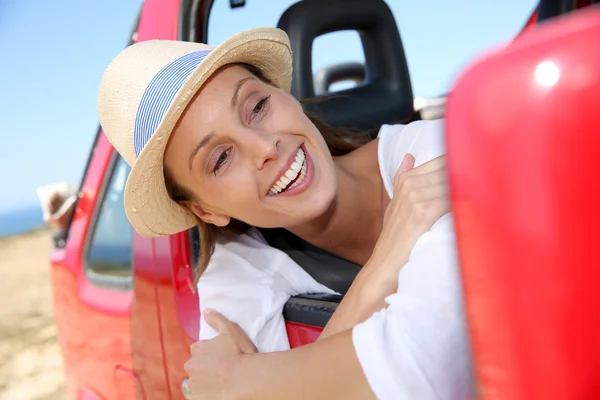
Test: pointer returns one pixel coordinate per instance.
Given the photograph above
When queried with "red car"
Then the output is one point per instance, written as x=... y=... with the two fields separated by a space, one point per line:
x=520 y=132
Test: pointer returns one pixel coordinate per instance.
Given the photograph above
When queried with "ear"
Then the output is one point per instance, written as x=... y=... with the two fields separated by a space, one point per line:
x=208 y=217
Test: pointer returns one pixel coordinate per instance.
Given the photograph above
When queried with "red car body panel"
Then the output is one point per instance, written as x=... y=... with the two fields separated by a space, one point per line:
x=133 y=344
x=525 y=181
x=91 y=321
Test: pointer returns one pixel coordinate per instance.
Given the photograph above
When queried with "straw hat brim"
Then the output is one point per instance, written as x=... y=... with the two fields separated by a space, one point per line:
x=148 y=206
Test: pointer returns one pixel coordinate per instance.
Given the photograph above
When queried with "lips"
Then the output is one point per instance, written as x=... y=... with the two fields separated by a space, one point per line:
x=292 y=176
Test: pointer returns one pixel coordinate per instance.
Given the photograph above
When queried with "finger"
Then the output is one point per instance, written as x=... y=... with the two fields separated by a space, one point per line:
x=224 y=326
x=437 y=164
x=408 y=162
x=217 y=321
x=429 y=193
x=406 y=184
x=431 y=165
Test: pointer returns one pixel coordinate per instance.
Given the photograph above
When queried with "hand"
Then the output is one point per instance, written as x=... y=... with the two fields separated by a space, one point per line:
x=212 y=363
x=420 y=199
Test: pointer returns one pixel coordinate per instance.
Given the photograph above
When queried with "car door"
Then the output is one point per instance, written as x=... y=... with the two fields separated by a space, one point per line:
x=92 y=280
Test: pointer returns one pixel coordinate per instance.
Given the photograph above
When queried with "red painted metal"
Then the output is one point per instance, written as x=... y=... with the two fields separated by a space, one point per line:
x=128 y=384
x=144 y=332
x=178 y=322
x=159 y=20
x=531 y=21
x=91 y=321
x=523 y=148
x=300 y=334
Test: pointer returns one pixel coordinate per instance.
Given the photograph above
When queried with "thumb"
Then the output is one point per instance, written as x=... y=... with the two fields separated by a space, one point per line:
x=224 y=326
x=217 y=321
x=408 y=162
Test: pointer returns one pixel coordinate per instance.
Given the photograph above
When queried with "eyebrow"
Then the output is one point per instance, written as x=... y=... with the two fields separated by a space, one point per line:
x=236 y=91
x=205 y=140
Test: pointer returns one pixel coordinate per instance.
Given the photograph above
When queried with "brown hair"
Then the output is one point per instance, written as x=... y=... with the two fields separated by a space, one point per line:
x=340 y=141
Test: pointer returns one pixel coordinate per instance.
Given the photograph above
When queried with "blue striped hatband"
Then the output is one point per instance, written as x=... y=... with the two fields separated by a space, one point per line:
x=159 y=94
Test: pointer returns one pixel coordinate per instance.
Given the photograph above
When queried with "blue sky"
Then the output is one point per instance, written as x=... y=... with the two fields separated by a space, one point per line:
x=54 y=53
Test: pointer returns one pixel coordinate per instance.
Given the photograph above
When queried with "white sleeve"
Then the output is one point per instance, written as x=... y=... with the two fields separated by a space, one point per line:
x=425 y=140
x=244 y=294
x=417 y=347
x=249 y=283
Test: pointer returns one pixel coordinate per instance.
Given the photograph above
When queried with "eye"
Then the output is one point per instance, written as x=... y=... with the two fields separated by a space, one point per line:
x=221 y=160
x=259 y=108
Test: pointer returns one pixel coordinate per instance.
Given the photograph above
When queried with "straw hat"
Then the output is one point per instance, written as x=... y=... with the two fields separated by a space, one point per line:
x=143 y=93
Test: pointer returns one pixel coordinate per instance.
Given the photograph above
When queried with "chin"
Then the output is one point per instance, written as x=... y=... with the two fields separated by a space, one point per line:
x=314 y=207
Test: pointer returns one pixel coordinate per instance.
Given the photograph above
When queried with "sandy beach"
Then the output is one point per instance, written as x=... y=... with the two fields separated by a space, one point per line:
x=30 y=361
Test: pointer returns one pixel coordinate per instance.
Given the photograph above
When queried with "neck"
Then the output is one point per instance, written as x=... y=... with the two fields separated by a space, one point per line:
x=351 y=226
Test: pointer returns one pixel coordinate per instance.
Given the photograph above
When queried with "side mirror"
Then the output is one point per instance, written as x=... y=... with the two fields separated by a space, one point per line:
x=523 y=145
x=325 y=77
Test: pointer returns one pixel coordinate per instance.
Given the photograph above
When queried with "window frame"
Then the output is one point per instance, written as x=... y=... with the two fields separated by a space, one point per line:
x=120 y=284
x=60 y=238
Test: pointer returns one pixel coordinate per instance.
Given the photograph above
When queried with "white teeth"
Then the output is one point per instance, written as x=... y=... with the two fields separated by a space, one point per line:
x=297 y=167
x=302 y=175
x=291 y=174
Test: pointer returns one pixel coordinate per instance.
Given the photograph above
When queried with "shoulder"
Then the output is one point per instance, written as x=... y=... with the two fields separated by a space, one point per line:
x=247 y=255
x=425 y=140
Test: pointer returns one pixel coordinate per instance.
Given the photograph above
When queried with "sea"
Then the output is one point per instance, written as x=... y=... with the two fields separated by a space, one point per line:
x=20 y=220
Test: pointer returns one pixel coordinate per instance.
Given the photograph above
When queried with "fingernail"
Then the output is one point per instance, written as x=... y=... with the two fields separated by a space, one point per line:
x=208 y=310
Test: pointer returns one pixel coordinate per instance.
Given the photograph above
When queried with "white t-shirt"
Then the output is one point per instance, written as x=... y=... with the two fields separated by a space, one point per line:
x=249 y=282
x=415 y=349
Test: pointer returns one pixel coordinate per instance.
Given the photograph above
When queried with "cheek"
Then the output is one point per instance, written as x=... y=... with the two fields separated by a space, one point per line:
x=230 y=195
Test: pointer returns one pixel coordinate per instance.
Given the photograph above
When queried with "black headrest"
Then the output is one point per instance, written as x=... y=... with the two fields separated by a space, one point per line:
x=385 y=96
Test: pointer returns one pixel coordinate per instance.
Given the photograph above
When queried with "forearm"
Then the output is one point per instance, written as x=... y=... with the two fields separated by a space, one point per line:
x=366 y=295
x=328 y=369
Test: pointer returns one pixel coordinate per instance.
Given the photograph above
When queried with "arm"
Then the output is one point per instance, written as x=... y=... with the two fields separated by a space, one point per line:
x=228 y=367
x=416 y=348
x=366 y=295
x=420 y=199
x=328 y=369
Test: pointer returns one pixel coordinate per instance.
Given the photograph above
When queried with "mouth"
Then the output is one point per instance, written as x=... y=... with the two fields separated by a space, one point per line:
x=293 y=176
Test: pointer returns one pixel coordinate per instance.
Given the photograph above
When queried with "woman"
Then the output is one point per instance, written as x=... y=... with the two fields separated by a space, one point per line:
x=215 y=139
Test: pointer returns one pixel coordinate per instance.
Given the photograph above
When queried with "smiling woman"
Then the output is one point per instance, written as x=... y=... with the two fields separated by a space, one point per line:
x=219 y=141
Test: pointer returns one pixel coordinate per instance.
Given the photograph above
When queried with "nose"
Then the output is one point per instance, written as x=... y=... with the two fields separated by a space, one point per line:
x=264 y=148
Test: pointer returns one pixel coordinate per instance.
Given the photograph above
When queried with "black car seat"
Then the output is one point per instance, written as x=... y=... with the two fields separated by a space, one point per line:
x=385 y=96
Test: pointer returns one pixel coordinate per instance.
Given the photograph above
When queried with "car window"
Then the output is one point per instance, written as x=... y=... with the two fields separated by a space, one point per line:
x=109 y=251
x=440 y=38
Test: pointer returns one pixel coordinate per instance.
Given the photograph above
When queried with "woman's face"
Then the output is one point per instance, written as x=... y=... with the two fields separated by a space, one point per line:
x=246 y=150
